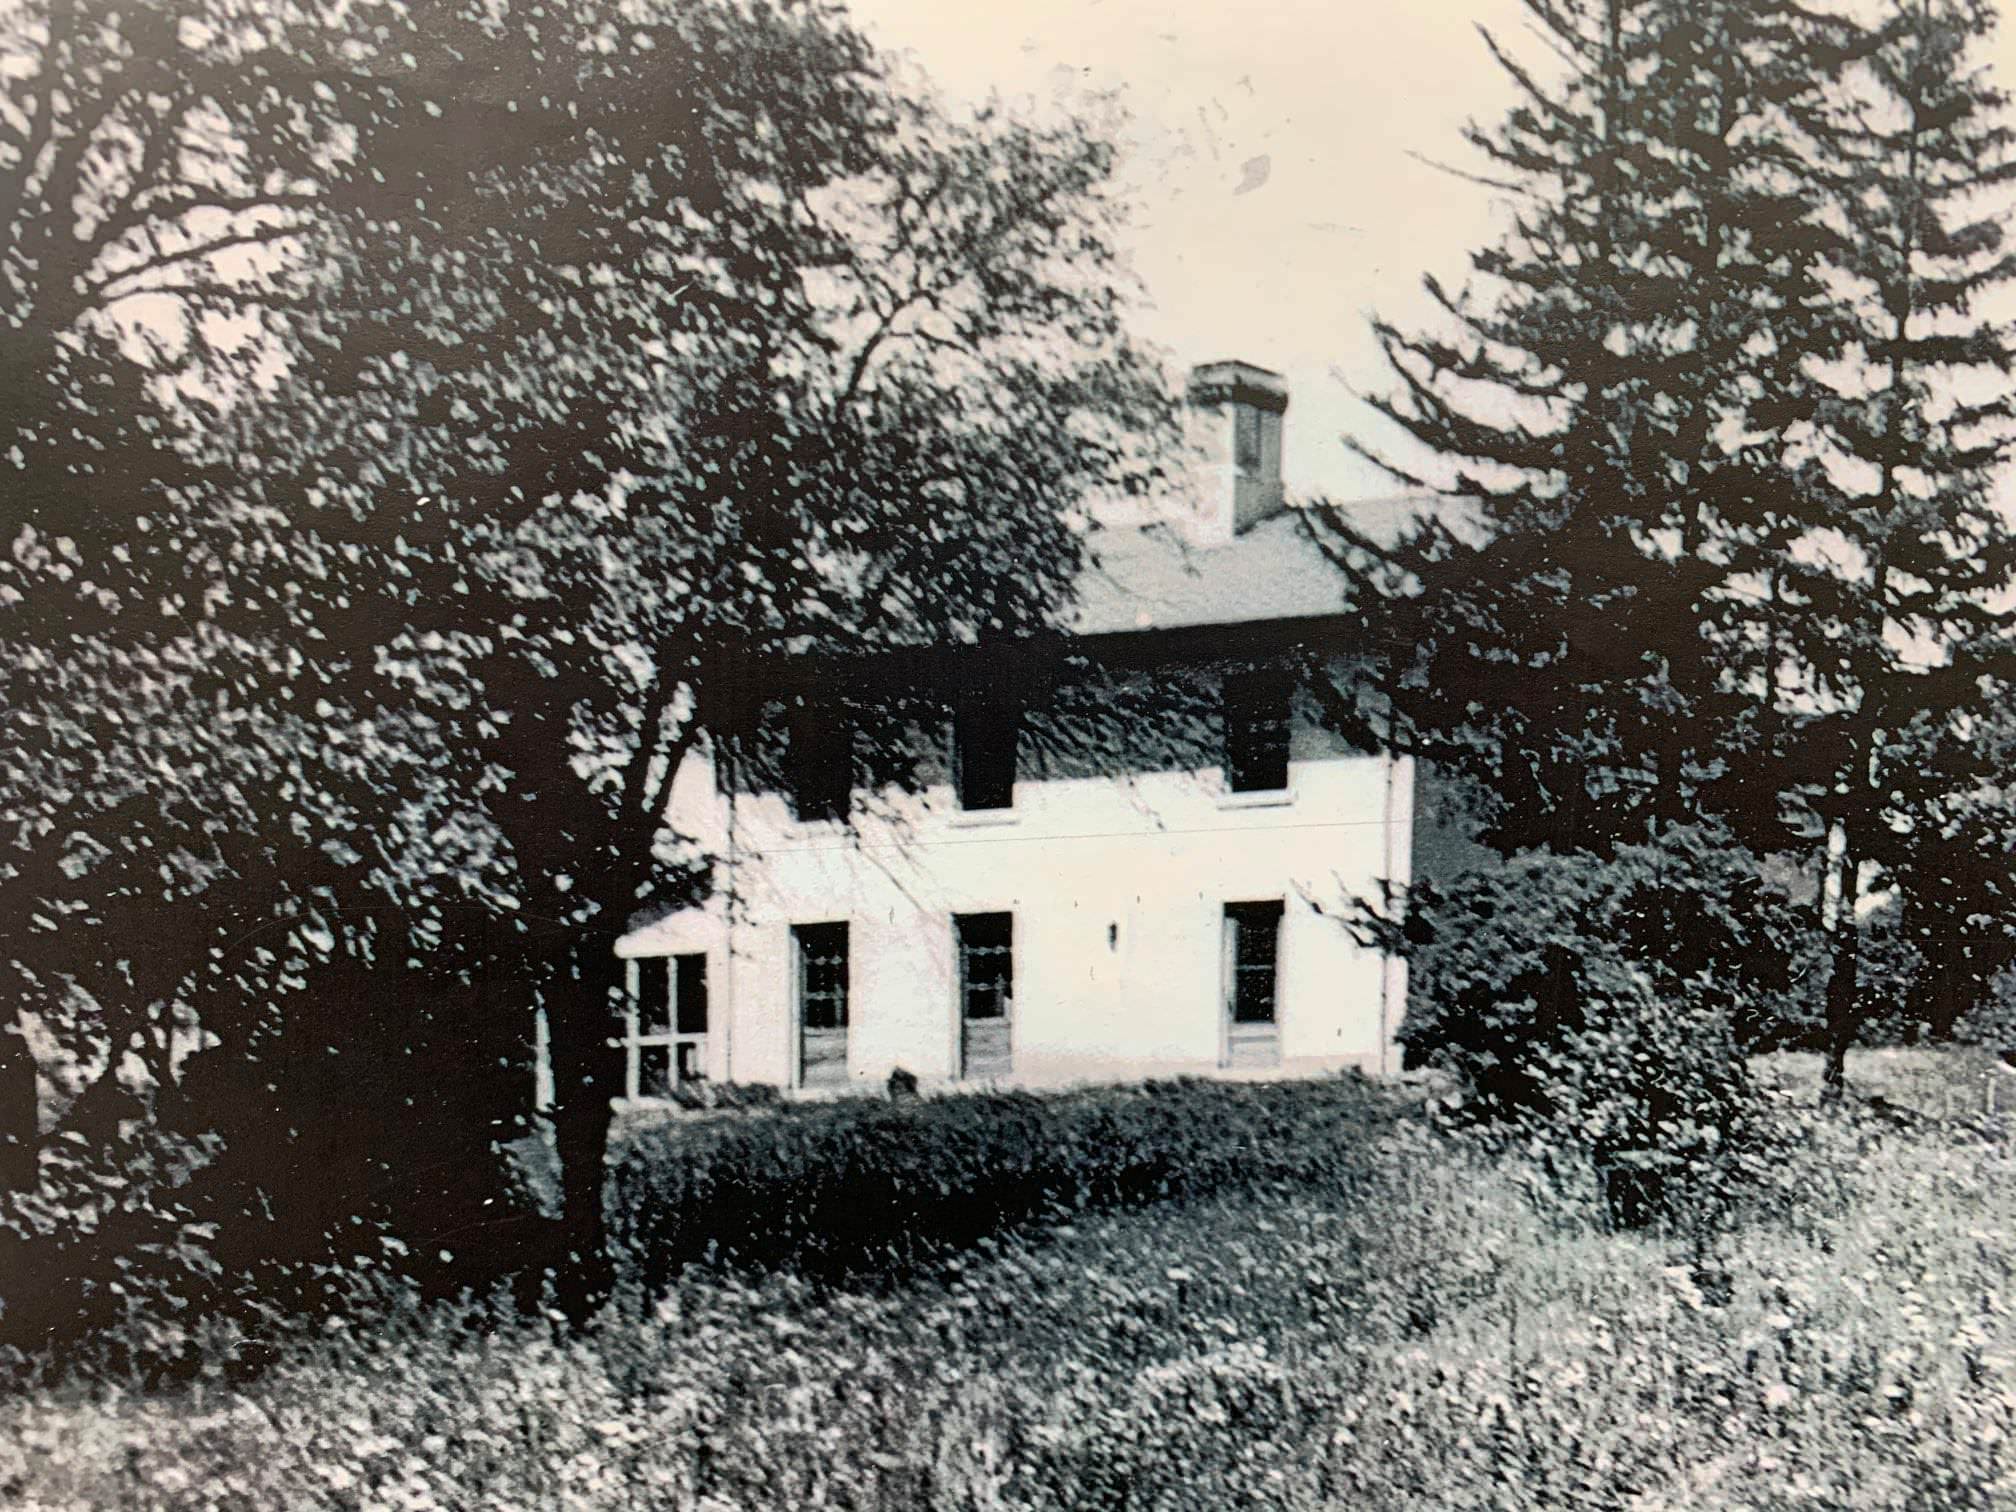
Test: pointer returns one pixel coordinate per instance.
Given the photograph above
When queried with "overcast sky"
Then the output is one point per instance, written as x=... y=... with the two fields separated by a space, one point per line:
x=1270 y=154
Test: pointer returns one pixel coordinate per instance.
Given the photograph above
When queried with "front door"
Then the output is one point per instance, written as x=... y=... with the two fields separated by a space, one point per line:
x=822 y=1004
x=986 y=945
x=1252 y=985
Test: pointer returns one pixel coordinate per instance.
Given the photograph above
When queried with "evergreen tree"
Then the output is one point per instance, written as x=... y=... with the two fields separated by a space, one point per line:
x=1902 y=586
x=1616 y=393
x=1626 y=397
x=1729 y=414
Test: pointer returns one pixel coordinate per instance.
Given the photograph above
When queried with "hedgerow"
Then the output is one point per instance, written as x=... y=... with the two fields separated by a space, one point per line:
x=841 y=1185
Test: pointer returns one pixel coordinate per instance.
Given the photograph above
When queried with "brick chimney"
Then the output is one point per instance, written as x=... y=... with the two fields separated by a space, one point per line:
x=1235 y=436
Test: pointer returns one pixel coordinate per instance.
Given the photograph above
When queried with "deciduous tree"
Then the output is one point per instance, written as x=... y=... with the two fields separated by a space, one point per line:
x=614 y=351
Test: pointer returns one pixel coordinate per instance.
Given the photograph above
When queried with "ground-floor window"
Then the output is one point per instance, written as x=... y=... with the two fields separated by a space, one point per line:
x=666 y=1038
x=822 y=971
x=1252 y=982
x=986 y=944
x=1254 y=931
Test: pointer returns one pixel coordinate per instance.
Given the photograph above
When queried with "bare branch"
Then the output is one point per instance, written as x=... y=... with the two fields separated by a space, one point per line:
x=264 y=236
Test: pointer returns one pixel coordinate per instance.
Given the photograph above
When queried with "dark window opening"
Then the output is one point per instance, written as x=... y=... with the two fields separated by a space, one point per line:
x=690 y=973
x=820 y=756
x=654 y=998
x=984 y=735
x=822 y=975
x=1256 y=731
x=986 y=964
x=1255 y=946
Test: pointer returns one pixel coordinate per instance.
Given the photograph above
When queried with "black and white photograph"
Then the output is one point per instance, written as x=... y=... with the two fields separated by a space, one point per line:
x=1131 y=755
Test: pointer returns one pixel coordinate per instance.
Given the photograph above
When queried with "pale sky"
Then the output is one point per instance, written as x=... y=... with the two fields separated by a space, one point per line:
x=1277 y=262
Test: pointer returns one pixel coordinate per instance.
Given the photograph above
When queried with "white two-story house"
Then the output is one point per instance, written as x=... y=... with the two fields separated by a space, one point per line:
x=1123 y=853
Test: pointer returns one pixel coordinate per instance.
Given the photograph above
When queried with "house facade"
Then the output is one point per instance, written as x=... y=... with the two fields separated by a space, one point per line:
x=1125 y=853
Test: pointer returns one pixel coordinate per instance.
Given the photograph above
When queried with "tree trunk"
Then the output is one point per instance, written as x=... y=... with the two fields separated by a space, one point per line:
x=20 y=1112
x=583 y=985
x=587 y=1073
x=1844 y=995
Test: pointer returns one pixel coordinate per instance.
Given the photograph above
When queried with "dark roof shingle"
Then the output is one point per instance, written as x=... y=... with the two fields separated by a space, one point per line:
x=1152 y=579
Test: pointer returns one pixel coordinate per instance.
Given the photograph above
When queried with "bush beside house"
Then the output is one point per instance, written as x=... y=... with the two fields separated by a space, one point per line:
x=851 y=1184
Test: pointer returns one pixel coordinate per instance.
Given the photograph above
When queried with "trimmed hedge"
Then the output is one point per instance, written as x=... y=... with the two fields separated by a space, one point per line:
x=855 y=1183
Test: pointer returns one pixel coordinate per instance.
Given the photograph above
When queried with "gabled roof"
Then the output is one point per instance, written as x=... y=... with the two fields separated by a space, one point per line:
x=1153 y=579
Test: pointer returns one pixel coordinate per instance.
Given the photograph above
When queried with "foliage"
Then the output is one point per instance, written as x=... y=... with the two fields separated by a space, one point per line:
x=1434 y=1340
x=1726 y=404
x=1957 y=912
x=695 y=429
x=575 y=356
x=853 y=1184
x=141 y=1245
x=118 y=1260
x=1598 y=1010
x=1617 y=396
x=1904 y=617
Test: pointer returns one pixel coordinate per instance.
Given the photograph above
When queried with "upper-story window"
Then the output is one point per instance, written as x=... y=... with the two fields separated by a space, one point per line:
x=985 y=729
x=1256 y=730
x=819 y=759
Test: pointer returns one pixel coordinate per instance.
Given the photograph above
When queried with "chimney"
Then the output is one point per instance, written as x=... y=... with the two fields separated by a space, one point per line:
x=1235 y=432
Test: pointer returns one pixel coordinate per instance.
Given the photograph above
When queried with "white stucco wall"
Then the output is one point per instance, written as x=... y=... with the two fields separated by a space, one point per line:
x=1117 y=885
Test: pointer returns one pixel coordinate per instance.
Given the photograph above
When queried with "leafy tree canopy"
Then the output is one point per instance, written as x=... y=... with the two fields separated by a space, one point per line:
x=520 y=373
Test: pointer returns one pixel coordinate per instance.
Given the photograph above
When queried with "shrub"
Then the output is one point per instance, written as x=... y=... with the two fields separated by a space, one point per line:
x=359 y=1123
x=840 y=1185
x=1896 y=980
x=1596 y=1010
x=105 y=1253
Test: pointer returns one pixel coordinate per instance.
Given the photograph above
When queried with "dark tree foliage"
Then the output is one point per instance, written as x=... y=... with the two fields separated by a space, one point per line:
x=1903 y=620
x=1617 y=395
x=819 y=375
x=575 y=358
x=1955 y=895
x=1534 y=981
x=1724 y=413
x=189 y=828
x=1618 y=398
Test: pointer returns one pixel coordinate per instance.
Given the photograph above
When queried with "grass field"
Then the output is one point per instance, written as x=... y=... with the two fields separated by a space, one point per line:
x=1425 y=1334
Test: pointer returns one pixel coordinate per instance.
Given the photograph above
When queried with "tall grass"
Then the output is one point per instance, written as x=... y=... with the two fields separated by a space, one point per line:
x=1421 y=1334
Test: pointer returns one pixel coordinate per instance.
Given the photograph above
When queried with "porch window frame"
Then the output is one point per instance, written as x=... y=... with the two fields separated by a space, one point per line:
x=682 y=1047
